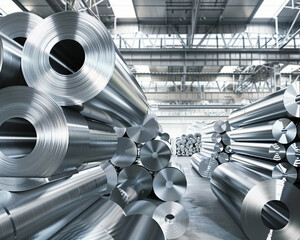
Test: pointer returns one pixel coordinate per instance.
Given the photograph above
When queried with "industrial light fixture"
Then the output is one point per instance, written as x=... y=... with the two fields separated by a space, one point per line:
x=123 y=8
x=8 y=6
x=270 y=8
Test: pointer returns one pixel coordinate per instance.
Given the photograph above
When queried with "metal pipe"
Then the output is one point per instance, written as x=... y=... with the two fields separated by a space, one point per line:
x=218 y=126
x=293 y=154
x=282 y=171
x=270 y=151
x=212 y=137
x=282 y=130
x=169 y=184
x=284 y=103
x=39 y=213
x=251 y=199
x=217 y=147
x=206 y=165
x=223 y=157
x=102 y=82
x=155 y=155
x=60 y=143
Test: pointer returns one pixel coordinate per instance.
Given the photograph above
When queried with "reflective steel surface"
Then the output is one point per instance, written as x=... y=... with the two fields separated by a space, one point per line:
x=218 y=126
x=142 y=207
x=204 y=165
x=211 y=137
x=223 y=157
x=217 y=147
x=293 y=154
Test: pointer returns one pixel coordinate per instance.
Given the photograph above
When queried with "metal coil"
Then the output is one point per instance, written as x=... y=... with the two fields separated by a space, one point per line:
x=144 y=132
x=142 y=207
x=99 y=80
x=155 y=155
x=218 y=126
x=282 y=171
x=260 y=206
x=283 y=103
x=126 y=153
x=172 y=218
x=169 y=184
x=282 y=130
x=39 y=213
x=270 y=151
x=206 y=165
x=217 y=147
x=293 y=154
x=212 y=137
x=60 y=143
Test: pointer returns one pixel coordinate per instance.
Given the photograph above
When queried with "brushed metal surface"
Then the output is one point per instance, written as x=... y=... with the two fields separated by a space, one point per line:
x=126 y=153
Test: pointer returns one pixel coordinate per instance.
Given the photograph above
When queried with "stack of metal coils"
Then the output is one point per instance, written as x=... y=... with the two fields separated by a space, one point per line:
x=214 y=148
x=70 y=111
x=258 y=186
x=187 y=145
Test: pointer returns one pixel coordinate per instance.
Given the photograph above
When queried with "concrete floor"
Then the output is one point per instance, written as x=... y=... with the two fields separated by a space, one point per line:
x=208 y=219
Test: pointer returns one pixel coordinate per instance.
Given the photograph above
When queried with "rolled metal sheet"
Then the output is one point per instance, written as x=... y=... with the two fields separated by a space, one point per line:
x=126 y=153
x=102 y=214
x=142 y=207
x=212 y=137
x=260 y=206
x=155 y=155
x=208 y=153
x=101 y=79
x=218 y=126
x=283 y=103
x=226 y=140
x=144 y=132
x=60 y=143
x=223 y=157
x=206 y=164
x=39 y=213
x=293 y=154
x=172 y=218
x=169 y=184
x=217 y=147
x=283 y=171
x=282 y=130
x=270 y=151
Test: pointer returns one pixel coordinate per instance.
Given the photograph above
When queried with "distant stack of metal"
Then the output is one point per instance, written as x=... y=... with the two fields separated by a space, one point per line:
x=214 y=150
x=187 y=145
x=67 y=98
x=257 y=185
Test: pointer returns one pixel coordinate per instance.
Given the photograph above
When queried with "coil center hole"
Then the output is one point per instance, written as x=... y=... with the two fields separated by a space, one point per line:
x=17 y=138
x=169 y=218
x=67 y=57
x=275 y=215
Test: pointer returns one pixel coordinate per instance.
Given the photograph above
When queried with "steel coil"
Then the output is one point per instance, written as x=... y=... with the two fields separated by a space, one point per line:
x=60 y=143
x=293 y=154
x=155 y=155
x=144 y=132
x=39 y=213
x=101 y=81
x=282 y=171
x=142 y=207
x=172 y=218
x=211 y=137
x=169 y=184
x=126 y=153
x=270 y=151
x=206 y=165
x=282 y=130
x=283 y=103
x=217 y=147
x=265 y=209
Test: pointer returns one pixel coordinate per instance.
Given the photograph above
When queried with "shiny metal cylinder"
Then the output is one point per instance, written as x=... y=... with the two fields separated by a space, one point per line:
x=169 y=184
x=208 y=153
x=270 y=151
x=226 y=140
x=212 y=137
x=142 y=207
x=256 y=202
x=134 y=183
x=283 y=103
x=173 y=219
x=146 y=131
x=217 y=147
x=155 y=155
x=60 y=143
x=282 y=130
x=102 y=84
x=39 y=213
x=164 y=136
x=205 y=165
x=293 y=154
x=126 y=153
x=282 y=171
x=218 y=126
x=223 y=157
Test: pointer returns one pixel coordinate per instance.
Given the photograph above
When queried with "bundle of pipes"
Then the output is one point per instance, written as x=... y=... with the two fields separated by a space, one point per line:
x=187 y=145
x=261 y=206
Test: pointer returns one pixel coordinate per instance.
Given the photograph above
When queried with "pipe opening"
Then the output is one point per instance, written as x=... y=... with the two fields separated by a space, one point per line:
x=17 y=138
x=67 y=57
x=169 y=218
x=20 y=40
x=275 y=215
